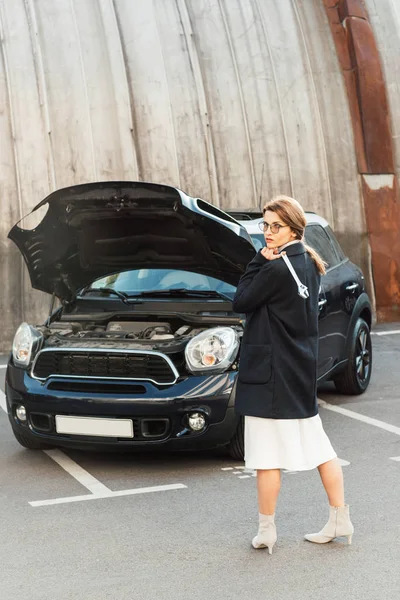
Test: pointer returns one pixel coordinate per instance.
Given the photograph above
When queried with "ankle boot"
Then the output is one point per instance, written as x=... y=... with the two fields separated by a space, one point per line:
x=266 y=536
x=339 y=525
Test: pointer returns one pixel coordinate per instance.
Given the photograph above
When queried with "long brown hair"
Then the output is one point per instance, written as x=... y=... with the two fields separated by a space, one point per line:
x=291 y=213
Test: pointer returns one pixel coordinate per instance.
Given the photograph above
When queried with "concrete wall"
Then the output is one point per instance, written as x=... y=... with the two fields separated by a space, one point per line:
x=231 y=100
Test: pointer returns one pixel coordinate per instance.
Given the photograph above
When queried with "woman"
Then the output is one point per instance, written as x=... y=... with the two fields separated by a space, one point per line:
x=277 y=380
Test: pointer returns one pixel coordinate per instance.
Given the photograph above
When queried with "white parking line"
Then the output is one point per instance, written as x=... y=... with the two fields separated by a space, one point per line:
x=98 y=490
x=3 y=366
x=78 y=473
x=359 y=417
x=3 y=403
x=393 y=332
x=110 y=494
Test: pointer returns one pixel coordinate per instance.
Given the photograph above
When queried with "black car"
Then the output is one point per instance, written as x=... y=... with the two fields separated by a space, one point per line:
x=143 y=350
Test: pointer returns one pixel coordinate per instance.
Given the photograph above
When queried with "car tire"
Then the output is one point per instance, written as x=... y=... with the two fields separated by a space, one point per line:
x=355 y=378
x=29 y=442
x=235 y=447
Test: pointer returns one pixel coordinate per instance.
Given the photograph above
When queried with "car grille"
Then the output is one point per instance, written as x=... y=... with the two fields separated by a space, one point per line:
x=111 y=364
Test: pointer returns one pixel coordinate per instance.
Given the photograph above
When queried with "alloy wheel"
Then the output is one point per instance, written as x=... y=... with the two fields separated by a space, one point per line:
x=363 y=355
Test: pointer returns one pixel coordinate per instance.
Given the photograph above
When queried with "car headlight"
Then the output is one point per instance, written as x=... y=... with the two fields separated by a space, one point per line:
x=212 y=351
x=26 y=342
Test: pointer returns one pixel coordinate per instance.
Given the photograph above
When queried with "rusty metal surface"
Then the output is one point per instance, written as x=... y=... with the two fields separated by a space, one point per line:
x=381 y=197
x=384 y=16
x=233 y=100
x=351 y=8
x=366 y=87
x=372 y=98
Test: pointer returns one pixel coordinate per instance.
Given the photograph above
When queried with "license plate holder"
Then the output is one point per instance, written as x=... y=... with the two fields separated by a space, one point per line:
x=94 y=426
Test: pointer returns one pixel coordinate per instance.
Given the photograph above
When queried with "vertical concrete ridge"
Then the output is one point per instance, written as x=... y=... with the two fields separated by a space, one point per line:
x=119 y=81
x=170 y=109
x=42 y=87
x=242 y=103
x=202 y=98
x=13 y=137
x=3 y=43
x=278 y=95
x=85 y=90
x=317 y=112
x=136 y=145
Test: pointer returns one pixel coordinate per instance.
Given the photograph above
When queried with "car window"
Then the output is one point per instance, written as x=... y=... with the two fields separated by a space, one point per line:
x=335 y=243
x=144 y=280
x=258 y=240
x=317 y=238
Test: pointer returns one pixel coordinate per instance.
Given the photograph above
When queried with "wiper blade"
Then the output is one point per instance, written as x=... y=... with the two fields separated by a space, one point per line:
x=211 y=294
x=121 y=295
x=179 y=292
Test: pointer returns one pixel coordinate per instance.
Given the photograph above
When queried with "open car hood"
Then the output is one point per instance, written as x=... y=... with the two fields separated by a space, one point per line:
x=96 y=229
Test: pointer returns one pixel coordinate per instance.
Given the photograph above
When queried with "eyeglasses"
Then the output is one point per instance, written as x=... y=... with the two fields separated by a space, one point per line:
x=275 y=227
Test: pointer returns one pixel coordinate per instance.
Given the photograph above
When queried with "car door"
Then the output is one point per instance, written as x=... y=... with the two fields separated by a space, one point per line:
x=333 y=316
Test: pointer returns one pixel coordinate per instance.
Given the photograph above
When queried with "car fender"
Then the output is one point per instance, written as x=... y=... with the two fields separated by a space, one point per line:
x=361 y=305
x=232 y=396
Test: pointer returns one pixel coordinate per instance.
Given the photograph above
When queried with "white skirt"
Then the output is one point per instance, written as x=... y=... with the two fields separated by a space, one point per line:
x=292 y=444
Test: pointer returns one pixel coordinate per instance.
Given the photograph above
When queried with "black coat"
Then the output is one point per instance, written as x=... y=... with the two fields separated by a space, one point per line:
x=278 y=358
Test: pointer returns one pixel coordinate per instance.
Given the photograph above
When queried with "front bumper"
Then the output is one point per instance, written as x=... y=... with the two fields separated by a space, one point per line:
x=159 y=415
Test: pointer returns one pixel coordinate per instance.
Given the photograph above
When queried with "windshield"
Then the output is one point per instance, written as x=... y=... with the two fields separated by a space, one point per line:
x=258 y=240
x=146 y=280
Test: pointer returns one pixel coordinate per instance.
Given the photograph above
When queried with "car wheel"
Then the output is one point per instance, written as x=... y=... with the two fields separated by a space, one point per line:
x=235 y=447
x=355 y=378
x=29 y=442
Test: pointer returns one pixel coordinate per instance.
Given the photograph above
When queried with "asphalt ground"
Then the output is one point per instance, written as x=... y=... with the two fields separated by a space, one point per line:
x=191 y=540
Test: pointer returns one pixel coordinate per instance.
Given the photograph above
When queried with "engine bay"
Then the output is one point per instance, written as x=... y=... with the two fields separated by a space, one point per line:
x=171 y=336
x=119 y=330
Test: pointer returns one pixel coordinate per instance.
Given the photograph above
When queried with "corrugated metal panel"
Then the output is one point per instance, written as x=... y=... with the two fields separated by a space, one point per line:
x=219 y=97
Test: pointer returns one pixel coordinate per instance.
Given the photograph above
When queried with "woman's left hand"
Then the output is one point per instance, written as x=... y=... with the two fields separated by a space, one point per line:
x=270 y=254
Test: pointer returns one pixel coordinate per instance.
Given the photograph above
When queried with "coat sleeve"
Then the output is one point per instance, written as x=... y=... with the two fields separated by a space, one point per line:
x=256 y=286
